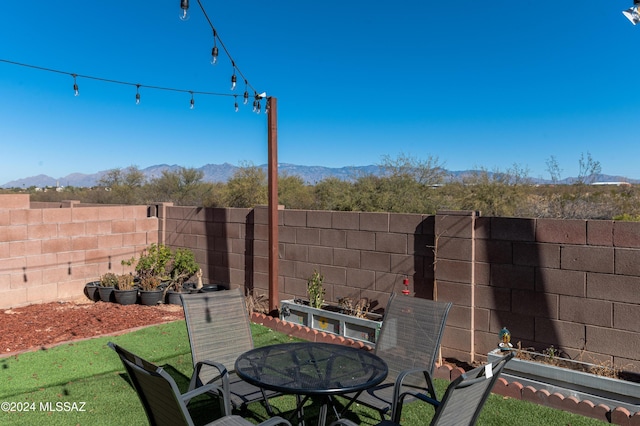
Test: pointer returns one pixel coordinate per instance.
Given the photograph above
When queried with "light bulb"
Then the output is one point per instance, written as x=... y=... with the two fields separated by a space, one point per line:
x=137 y=95
x=193 y=103
x=75 y=90
x=214 y=55
x=246 y=97
x=235 y=105
x=184 y=10
x=233 y=82
x=632 y=15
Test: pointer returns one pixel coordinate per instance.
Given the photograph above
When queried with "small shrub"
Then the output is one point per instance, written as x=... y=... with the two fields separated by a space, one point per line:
x=315 y=291
x=125 y=282
x=109 y=280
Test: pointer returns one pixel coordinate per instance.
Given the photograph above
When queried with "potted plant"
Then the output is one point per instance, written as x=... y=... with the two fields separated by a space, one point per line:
x=91 y=290
x=315 y=290
x=151 y=268
x=348 y=320
x=108 y=283
x=126 y=293
x=183 y=266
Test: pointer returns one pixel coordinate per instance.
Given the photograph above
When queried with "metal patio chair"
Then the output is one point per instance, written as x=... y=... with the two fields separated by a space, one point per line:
x=219 y=331
x=165 y=405
x=462 y=402
x=409 y=339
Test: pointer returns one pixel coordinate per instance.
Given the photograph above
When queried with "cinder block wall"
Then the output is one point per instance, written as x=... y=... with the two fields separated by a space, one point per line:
x=570 y=284
x=359 y=254
x=49 y=254
x=573 y=284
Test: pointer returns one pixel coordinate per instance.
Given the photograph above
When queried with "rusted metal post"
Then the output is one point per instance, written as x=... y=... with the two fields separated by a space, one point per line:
x=272 y=123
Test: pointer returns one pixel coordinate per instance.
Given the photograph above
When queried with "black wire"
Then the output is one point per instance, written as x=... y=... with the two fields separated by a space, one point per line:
x=139 y=85
x=215 y=35
x=107 y=80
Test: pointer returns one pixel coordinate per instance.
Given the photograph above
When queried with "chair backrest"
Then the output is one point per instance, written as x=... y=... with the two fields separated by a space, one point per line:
x=411 y=333
x=466 y=395
x=218 y=325
x=156 y=389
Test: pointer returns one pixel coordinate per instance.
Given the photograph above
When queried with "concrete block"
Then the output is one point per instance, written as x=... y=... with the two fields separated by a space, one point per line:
x=600 y=233
x=626 y=234
x=536 y=254
x=492 y=251
x=513 y=229
x=319 y=219
x=391 y=243
x=453 y=271
x=512 y=276
x=557 y=281
x=618 y=288
x=406 y=223
x=345 y=220
x=586 y=311
x=626 y=262
x=455 y=248
x=587 y=258
x=361 y=240
x=333 y=238
x=375 y=261
x=562 y=231
x=374 y=222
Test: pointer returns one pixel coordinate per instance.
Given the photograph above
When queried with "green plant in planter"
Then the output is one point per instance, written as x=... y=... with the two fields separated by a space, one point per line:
x=125 y=282
x=182 y=267
x=315 y=290
x=109 y=280
x=153 y=262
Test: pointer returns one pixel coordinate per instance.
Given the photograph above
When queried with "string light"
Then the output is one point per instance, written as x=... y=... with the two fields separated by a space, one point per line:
x=184 y=15
x=235 y=105
x=106 y=80
x=184 y=12
x=214 y=50
x=75 y=85
x=233 y=77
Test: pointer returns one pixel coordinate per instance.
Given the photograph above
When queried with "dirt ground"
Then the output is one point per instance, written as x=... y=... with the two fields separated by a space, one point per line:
x=44 y=325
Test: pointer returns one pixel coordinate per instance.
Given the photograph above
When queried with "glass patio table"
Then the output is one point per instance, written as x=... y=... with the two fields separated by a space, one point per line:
x=312 y=370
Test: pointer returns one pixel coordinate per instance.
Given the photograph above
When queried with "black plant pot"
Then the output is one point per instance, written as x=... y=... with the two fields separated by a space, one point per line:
x=106 y=294
x=91 y=290
x=126 y=297
x=211 y=287
x=173 y=298
x=151 y=297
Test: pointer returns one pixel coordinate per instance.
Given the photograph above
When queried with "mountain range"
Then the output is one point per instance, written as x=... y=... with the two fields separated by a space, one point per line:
x=223 y=172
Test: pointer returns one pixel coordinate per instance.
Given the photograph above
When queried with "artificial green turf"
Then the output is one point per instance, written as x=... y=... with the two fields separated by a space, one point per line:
x=89 y=372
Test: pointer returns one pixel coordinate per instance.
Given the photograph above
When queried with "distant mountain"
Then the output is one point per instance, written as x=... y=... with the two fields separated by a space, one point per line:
x=212 y=173
x=222 y=173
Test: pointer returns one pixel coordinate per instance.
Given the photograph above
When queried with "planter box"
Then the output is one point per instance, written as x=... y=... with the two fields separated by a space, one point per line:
x=569 y=382
x=348 y=326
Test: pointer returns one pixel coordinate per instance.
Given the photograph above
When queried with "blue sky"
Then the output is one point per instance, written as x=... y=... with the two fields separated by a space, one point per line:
x=474 y=84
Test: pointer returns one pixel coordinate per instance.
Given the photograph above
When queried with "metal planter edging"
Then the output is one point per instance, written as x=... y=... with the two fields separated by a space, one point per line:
x=568 y=382
x=348 y=326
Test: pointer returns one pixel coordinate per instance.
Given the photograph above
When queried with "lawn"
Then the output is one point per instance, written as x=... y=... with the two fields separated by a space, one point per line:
x=83 y=384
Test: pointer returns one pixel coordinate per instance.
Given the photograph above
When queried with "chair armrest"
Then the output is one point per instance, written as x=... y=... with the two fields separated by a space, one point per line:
x=199 y=391
x=427 y=395
x=427 y=376
x=224 y=376
x=275 y=421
